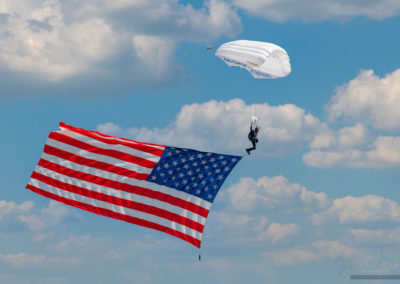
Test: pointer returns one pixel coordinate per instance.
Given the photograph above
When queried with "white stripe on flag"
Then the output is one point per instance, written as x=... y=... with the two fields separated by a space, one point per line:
x=123 y=179
x=122 y=194
x=118 y=209
x=97 y=157
x=117 y=147
x=100 y=135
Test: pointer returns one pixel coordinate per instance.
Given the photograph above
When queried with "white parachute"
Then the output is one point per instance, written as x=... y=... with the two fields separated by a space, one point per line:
x=262 y=59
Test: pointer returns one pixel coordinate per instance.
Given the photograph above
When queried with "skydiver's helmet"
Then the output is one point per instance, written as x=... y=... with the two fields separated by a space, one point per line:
x=257 y=129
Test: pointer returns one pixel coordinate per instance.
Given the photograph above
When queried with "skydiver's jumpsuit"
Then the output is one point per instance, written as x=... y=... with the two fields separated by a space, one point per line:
x=253 y=138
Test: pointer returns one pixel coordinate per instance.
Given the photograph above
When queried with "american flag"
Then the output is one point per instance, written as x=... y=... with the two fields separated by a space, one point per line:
x=165 y=188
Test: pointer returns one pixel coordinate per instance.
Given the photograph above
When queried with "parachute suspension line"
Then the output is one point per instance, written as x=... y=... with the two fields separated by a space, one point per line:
x=199 y=255
x=253 y=118
x=258 y=117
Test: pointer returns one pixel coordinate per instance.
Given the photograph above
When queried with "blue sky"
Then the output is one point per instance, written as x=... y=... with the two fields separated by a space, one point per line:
x=320 y=194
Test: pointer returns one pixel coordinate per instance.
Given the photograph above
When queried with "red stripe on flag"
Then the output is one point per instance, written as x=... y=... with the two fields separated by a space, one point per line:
x=120 y=202
x=119 y=216
x=114 y=140
x=107 y=152
x=125 y=187
x=94 y=164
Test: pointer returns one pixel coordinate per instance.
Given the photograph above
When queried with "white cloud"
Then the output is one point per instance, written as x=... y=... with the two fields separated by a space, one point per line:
x=365 y=209
x=274 y=193
x=115 y=255
x=109 y=128
x=168 y=17
x=51 y=41
x=223 y=18
x=223 y=126
x=346 y=138
x=292 y=256
x=241 y=227
x=380 y=236
x=218 y=264
x=42 y=43
x=21 y=260
x=384 y=152
x=155 y=54
x=369 y=99
x=314 y=10
x=41 y=236
x=278 y=232
x=48 y=217
x=239 y=220
x=11 y=208
x=36 y=219
x=76 y=243
x=333 y=249
x=318 y=251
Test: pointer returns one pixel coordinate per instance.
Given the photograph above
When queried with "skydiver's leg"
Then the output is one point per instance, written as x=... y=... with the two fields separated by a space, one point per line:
x=253 y=148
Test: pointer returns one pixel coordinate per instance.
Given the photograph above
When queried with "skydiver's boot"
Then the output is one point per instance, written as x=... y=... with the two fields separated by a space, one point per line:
x=248 y=151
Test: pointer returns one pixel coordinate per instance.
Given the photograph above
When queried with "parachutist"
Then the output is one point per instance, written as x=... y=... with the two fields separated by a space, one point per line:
x=253 y=137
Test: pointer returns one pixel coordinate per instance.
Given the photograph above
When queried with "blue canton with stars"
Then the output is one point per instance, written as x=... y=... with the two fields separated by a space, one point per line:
x=198 y=173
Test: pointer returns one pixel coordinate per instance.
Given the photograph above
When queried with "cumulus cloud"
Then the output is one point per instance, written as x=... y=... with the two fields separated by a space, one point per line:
x=11 y=208
x=154 y=53
x=318 y=251
x=57 y=45
x=41 y=42
x=223 y=126
x=345 y=138
x=109 y=128
x=277 y=193
x=36 y=219
x=22 y=260
x=314 y=10
x=76 y=243
x=274 y=193
x=365 y=209
x=218 y=264
x=333 y=249
x=384 y=152
x=369 y=99
x=292 y=256
x=115 y=255
x=41 y=236
x=241 y=227
x=48 y=217
x=380 y=236
x=278 y=232
x=167 y=18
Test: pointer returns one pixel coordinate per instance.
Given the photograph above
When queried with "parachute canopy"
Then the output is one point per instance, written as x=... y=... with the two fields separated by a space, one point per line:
x=262 y=59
